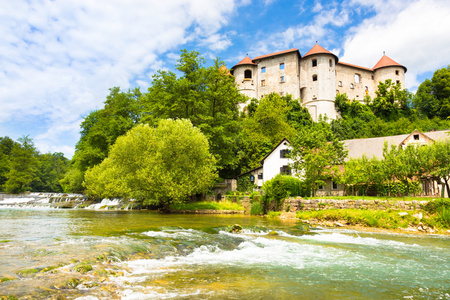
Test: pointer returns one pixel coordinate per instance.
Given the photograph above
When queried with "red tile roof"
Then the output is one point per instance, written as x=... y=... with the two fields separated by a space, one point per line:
x=246 y=61
x=317 y=49
x=387 y=62
x=277 y=53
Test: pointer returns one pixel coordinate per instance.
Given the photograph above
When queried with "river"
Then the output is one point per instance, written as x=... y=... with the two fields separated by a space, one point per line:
x=145 y=255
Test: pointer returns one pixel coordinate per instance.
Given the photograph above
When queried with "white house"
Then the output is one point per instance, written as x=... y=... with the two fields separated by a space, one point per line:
x=272 y=164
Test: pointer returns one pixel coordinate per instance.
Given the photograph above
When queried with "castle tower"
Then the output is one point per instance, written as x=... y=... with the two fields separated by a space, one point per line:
x=386 y=68
x=245 y=76
x=318 y=82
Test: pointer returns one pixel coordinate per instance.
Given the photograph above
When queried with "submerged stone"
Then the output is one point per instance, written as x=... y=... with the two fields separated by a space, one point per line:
x=236 y=228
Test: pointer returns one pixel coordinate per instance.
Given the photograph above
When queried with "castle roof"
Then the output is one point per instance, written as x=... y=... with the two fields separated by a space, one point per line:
x=385 y=61
x=354 y=66
x=277 y=53
x=317 y=49
x=246 y=61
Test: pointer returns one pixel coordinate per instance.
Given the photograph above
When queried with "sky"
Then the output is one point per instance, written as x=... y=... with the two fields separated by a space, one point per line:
x=59 y=58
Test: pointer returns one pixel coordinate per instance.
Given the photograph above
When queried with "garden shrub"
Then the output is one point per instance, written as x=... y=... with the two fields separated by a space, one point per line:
x=279 y=188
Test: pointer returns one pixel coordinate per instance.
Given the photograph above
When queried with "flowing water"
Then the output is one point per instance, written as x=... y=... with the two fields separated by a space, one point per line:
x=144 y=255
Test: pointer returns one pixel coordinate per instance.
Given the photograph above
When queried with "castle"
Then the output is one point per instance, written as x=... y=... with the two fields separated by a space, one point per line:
x=315 y=78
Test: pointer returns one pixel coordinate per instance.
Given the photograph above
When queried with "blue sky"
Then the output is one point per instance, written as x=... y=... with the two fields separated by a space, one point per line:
x=59 y=58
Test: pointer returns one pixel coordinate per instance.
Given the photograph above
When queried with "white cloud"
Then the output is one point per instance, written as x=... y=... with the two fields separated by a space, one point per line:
x=415 y=34
x=217 y=42
x=59 y=58
x=321 y=27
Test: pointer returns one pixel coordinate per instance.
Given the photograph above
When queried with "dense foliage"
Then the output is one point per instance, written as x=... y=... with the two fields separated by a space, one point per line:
x=157 y=166
x=23 y=168
x=279 y=188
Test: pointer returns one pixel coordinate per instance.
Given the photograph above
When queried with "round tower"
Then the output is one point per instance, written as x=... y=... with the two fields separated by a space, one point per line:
x=386 y=68
x=245 y=77
x=318 y=82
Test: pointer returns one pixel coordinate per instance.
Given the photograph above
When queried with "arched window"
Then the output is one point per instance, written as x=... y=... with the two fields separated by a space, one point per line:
x=314 y=77
x=248 y=74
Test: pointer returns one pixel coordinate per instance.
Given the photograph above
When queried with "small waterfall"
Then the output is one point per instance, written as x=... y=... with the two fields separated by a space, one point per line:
x=105 y=204
x=39 y=200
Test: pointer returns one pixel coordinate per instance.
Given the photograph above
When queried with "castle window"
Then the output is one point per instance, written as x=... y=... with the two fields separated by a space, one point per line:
x=373 y=77
x=263 y=69
x=248 y=74
x=340 y=83
x=314 y=77
x=331 y=63
x=282 y=79
x=282 y=66
x=263 y=82
x=352 y=86
x=396 y=72
x=314 y=62
x=398 y=81
x=357 y=78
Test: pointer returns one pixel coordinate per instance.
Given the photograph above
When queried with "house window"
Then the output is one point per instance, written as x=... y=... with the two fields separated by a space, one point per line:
x=263 y=69
x=357 y=78
x=263 y=82
x=282 y=79
x=314 y=62
x=285 y=170
x=335 y=186
x=340 y=83
x=352 y=86
x=284 y=153
x=396 y=72
x=398 y=81
x=260 y=176
x=314 y=77
x=281 y=93
x=321 y=187
x=416 y=137
x=247 y=74
x=282 y=66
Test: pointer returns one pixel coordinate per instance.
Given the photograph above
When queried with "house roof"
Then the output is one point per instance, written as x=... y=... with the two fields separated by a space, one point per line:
x=245 y=173
x=317 y=49
x=277 y=53
x=386 y=61
x=374 y=146
x=273 y=149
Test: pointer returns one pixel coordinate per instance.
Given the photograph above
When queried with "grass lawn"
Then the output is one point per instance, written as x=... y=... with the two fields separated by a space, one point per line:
x=389 y=198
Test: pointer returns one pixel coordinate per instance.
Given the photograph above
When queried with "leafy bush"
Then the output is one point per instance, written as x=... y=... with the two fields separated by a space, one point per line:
x=281 y=187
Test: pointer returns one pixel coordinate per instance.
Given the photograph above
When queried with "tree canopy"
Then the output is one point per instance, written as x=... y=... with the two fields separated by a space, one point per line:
x=159 y=165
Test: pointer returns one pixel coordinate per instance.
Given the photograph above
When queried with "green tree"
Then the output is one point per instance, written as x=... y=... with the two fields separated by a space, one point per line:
x=101 y=128
x=391 y=101
x=439 y=163
x=6 y=146
x=158 y=166
x=317 y=154
x=52 y=168
x=433 y=96
x=262 y=130
x=22 y=167
x=208 y=97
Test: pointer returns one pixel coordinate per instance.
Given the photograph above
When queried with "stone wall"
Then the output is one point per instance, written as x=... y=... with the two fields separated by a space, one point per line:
x=322 y=204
